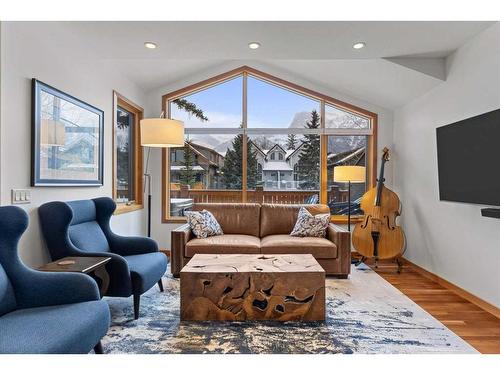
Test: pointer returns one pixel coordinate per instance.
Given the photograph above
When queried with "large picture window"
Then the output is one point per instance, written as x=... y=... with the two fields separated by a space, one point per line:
x=252 y=137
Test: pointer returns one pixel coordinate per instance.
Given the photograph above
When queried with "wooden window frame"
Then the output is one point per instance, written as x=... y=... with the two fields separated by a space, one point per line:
x=121 y=101
x=245 y=71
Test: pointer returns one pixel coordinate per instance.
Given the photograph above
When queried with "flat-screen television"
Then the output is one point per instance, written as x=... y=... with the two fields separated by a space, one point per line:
x=468 y=154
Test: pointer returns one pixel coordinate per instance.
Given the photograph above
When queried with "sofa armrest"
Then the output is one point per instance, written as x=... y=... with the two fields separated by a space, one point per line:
x=179 y=238
x=342 y=238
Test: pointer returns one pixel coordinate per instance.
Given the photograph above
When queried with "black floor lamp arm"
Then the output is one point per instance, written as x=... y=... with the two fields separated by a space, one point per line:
x=147 y=182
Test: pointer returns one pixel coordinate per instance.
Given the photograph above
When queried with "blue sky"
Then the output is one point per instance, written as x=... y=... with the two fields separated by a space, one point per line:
x=268 y=106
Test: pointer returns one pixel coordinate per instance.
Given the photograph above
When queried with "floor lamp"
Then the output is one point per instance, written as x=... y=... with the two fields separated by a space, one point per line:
x=349 y=174
x=159 y=132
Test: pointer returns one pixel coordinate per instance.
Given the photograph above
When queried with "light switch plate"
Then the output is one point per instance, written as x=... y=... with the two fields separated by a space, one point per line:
x=21 y=196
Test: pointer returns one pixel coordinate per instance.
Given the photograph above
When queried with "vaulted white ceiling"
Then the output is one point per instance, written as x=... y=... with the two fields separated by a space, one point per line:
x=401 y=60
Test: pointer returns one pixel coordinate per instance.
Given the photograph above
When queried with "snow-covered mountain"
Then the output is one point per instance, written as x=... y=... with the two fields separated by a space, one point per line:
x=300 y=120
x=336 y=144
x=344 y=143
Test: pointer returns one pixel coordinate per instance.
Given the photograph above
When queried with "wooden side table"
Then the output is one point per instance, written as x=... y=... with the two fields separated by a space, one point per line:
x=88 y=265
x=166 y=252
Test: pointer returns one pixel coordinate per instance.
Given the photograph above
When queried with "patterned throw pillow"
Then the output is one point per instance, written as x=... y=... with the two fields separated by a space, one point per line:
x=212 y=223
x=203 y=224
x=308 y=225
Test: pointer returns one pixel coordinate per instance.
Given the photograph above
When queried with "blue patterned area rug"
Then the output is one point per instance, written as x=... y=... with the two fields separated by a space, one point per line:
x=365 y=314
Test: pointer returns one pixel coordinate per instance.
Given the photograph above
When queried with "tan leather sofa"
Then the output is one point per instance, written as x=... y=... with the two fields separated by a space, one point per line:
x=251 y=228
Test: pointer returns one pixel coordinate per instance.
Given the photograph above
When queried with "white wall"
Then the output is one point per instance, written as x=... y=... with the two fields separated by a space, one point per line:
x=43 y=51
x=449 y=239
x=160 y=231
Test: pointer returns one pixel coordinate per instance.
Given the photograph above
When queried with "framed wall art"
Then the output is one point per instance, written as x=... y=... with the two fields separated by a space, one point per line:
x=67 y=139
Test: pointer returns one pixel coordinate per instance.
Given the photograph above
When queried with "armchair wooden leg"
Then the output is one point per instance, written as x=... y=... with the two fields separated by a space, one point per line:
x=98 y=348
x=137 y=302
x=160 y=285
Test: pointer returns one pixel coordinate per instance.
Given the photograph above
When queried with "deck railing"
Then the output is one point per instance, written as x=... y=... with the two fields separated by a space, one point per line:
x=235 y=196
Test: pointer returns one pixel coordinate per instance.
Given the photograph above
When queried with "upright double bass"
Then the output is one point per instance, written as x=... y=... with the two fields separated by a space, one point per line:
x=377 y=235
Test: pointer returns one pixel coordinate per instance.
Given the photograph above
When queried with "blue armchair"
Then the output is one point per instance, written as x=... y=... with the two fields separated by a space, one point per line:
x=44 y=312
x=81 y=228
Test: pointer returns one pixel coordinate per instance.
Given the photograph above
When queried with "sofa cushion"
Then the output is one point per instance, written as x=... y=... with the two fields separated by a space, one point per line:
x=146 y=269
x=281 y=218
x=234 y=218
x=286 y=244
x=225 y=244
x=74 y=328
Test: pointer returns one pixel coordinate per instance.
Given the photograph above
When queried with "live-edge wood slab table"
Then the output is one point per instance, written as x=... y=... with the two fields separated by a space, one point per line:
x=253 y=287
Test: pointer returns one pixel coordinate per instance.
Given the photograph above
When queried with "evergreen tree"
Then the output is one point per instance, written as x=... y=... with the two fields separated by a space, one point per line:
x=252 y=171
x=308 y=164
x=291 y=143
x=233 y=167
x=187 y=173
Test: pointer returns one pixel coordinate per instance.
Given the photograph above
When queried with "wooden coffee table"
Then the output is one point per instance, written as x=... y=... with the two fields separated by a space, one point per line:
x=88 y=265
x=253 y=287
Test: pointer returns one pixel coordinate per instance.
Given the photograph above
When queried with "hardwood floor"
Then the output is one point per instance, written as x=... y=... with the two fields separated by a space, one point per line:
x=473 y=324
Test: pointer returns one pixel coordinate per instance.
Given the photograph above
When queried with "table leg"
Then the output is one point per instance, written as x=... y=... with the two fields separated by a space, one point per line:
x=102 y=274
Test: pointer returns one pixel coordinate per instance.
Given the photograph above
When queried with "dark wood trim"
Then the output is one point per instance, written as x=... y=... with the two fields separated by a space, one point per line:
x=121 y=101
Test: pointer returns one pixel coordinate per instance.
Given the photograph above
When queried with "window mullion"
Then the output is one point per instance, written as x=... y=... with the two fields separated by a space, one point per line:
x=323 y=158
x=131 y=156
x=244 y=146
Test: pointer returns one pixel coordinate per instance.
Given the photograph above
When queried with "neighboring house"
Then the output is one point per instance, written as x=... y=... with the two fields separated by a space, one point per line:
x=206 y=166
x=277 y=167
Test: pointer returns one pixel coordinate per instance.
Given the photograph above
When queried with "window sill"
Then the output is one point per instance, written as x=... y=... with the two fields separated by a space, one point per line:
x=174 y=220
x=123 y=208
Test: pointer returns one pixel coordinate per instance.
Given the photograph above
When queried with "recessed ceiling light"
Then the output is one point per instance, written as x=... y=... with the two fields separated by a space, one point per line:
x=359 y=45
x=150 y=45
x=253 y=45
